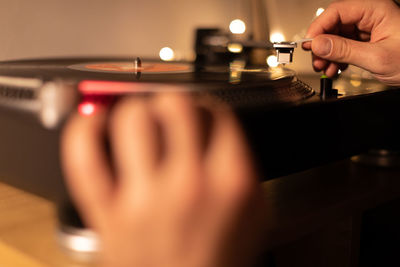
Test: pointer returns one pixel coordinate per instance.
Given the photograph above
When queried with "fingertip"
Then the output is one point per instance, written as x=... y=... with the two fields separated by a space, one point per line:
x=229 y=140
x=172 y=107
x=124 y=110
x=180 y=122
x=77 y=127
x=332 y=70
x=230 y=159
x=172 y=101
x=322 y=46
x=135 y=142
x=306 y=46
x=319 y=64
x=87 y=174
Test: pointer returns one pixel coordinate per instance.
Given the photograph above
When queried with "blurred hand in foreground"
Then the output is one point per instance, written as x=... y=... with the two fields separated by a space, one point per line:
x=179 y=188
x=364 y=33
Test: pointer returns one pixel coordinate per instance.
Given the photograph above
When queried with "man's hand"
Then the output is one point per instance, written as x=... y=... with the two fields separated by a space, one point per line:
x=177 y=189
x=364 y=33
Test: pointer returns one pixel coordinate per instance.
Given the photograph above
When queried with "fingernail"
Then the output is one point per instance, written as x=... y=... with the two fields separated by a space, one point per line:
x=322 y=46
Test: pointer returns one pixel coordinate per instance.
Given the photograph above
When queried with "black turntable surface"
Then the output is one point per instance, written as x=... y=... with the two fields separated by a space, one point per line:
x=288 y=126
x=240 y=86
x=123 y=69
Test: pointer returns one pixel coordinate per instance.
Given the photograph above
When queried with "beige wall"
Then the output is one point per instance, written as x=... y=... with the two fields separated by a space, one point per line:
x=43 y=28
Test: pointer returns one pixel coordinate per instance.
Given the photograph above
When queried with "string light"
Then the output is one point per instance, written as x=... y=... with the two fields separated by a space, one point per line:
x=167 y=54
x=237 y=26
x=272 y=61
x=235 y=48
x=277 y=37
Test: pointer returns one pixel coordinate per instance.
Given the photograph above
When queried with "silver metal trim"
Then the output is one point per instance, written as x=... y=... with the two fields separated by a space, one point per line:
x=50 y=102
x=79 y=243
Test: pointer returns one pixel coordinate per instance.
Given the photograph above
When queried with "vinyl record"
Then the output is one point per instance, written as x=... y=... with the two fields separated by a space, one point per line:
x=235 y=84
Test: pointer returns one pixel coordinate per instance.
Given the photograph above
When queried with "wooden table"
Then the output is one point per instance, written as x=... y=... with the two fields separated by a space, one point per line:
x=28 y=230
x=315 y=217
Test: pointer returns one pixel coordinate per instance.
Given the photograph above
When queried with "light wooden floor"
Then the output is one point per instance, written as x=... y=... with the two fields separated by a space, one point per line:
x=27 y=231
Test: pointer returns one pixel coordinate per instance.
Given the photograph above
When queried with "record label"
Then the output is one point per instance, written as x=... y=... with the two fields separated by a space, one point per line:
x=128 y=67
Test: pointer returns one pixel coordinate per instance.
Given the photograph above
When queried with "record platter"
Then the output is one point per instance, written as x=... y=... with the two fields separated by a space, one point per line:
x=289 y=127
x=145 y=76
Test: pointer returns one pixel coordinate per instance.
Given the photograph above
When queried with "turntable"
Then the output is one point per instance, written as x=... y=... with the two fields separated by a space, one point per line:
x=289 y=126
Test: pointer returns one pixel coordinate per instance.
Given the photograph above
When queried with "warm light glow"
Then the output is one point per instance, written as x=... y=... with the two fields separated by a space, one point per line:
x=277 y=37
x=237 y=26
x=272 y=61
x=235 y=48
x=167 y=54
x=355 y=80
x=339 y=72
x=87 y=108
x=319 y=11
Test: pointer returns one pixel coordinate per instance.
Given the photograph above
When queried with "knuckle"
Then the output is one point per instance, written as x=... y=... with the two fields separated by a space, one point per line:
x=124 y=110
x=165 y=101
x=343 y=51
x=334 y=4
x=118 y=110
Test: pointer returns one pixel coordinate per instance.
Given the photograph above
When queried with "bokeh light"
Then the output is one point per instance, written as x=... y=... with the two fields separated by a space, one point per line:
x=272 y=61
x=235 y=48
x=356 y=80
x=167 y=54
x=237 y=26
x=277 y=37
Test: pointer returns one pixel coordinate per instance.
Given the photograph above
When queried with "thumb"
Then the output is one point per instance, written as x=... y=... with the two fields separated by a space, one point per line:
x=342 y=50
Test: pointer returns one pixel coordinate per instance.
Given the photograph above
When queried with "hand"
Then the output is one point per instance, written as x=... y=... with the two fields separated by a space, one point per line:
x=364 y=33
x=179 y=193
